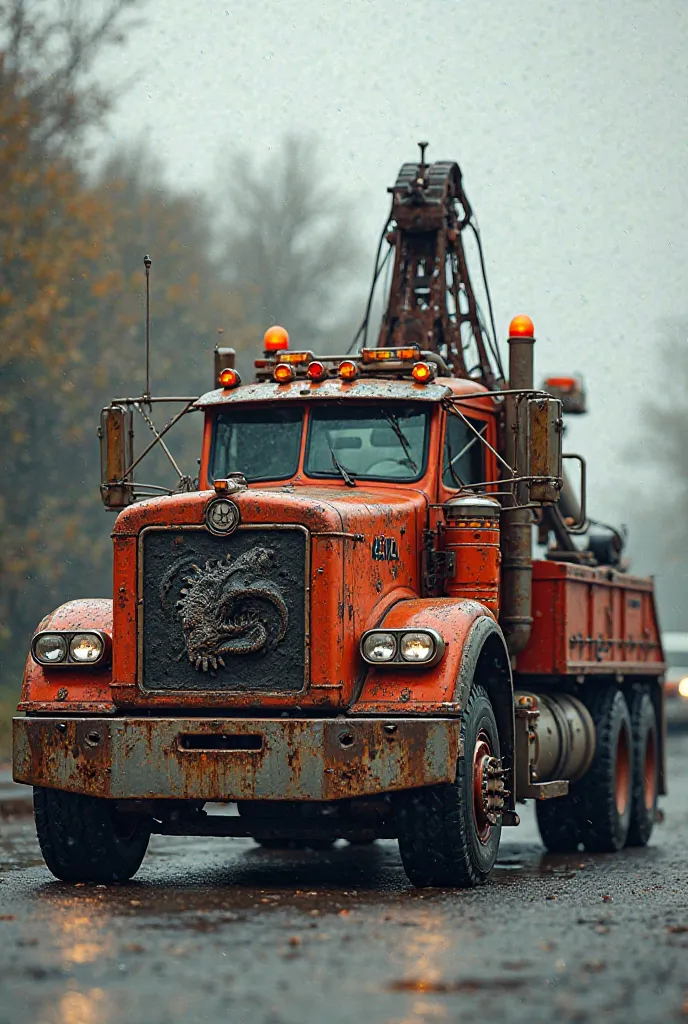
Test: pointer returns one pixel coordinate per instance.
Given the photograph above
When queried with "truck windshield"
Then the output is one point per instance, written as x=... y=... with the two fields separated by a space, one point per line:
x=262 y=442
x=370 y=442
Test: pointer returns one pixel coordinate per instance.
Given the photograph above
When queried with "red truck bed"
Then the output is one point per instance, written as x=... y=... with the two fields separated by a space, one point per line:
x=591 y=621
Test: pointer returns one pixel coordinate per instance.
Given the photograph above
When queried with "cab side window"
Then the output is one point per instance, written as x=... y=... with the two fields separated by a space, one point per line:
x=464 y=455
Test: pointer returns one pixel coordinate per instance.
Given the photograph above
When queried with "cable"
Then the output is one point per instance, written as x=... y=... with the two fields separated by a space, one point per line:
x=363 y=329
x=473 y=225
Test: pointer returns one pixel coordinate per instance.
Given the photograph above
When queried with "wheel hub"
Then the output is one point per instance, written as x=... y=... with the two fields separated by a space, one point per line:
x=489 y=793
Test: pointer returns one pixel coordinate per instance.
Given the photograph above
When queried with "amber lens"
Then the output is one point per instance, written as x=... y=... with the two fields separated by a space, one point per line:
x=347 y=370
x=275 y=339
x=283 y=373
x=229 y=378
x=421 y=373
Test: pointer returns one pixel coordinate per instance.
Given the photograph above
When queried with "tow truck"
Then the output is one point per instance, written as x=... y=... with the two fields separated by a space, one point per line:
x=340 y=629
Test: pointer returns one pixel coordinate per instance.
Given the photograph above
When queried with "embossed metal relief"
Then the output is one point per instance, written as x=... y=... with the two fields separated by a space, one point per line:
x=230 y=607
x=223 y=612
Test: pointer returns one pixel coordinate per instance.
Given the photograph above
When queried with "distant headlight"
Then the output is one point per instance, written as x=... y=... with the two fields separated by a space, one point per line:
x=379 y=647
x=86 y=648
x=402 y=647
x=417 y=647
x=683 y=687
x=50 y=648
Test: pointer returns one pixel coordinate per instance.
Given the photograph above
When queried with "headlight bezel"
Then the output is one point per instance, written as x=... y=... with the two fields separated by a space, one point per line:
x=68 y=636
x=397 y=660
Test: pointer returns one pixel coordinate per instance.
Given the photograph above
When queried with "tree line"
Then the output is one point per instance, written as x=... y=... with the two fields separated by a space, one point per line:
x=274 y=244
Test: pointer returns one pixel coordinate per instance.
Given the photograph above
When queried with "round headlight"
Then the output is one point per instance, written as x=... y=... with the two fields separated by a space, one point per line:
x=379 y=647
x=50 y=649
x=417 y=647
x=86 y=647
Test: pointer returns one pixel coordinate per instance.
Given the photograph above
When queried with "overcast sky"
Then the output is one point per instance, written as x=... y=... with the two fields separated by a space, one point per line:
x=569 y=119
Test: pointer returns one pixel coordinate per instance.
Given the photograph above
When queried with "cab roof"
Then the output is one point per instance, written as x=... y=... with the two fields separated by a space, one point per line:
x=362 y=388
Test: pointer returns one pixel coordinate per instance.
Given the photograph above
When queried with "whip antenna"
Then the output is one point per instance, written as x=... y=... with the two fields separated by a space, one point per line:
x=147 y=264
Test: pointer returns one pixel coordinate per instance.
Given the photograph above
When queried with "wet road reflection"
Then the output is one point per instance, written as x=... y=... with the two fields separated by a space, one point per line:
x=223 y=930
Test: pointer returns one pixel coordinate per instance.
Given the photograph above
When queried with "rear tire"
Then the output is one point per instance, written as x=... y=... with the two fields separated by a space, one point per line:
x=444 y=837
x=605 y=789
x=645 y=767
x=559 y=823
x=86 y=839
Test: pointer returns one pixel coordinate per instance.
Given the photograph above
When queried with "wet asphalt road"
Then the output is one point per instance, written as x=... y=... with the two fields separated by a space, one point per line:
x=219 y=930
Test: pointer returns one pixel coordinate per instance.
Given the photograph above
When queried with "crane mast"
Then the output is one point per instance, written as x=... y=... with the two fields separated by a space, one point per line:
x=431 y=301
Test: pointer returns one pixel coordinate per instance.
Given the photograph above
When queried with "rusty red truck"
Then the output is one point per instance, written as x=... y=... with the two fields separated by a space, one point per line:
x=341 y=627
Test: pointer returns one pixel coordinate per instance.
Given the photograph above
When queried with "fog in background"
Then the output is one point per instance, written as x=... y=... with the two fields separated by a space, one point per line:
x=568 y=120
x=569 y=123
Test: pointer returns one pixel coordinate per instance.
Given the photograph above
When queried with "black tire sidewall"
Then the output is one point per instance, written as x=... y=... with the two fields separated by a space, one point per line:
x=478 y=718
x=643 y=724
x=603 y=828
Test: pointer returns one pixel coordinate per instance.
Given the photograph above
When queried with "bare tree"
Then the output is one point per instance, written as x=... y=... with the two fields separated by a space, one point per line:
x=47 y=51
x=290 y=245
x=665 y=444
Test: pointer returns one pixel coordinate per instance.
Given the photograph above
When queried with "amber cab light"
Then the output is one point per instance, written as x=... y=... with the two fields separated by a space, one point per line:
x=348 y=369
x=374 y=355
x=316 y=370
x=521 y=327
x=229 y=379
x=295 y=357
x=283 y=373
x=422 y=373
x=275 y=339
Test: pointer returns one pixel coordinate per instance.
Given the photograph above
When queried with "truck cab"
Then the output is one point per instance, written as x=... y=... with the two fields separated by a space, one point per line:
x=340 y=628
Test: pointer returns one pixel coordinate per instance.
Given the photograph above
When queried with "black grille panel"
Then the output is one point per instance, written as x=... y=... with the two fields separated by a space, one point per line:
x=237 y=600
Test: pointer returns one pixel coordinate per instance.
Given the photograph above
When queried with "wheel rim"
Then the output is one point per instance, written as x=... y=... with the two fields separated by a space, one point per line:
x=650 y=770
x=481 y=755
x=622 y=772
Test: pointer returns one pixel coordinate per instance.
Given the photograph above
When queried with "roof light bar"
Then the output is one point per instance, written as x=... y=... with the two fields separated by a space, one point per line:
x=295 y=357
x=374 y=355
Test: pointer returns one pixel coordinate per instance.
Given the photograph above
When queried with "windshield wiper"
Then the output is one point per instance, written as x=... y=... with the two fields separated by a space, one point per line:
x=348 y=478
x=403 y=440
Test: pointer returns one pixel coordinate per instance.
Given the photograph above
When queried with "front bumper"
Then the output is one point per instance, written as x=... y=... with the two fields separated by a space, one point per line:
x=234 y=758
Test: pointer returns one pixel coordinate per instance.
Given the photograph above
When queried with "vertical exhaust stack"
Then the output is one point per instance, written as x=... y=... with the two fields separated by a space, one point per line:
x=516 y=540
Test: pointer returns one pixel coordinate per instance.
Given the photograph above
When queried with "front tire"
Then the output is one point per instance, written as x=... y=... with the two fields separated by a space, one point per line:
x=445 y=837
x=645 y=767
x=86 y=839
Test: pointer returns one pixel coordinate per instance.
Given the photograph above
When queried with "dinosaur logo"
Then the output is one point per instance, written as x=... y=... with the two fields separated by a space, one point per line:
x=227 y=607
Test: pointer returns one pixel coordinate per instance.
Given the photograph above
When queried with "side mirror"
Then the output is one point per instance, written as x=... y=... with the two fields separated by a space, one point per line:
x=543 y=433
x=116 y=433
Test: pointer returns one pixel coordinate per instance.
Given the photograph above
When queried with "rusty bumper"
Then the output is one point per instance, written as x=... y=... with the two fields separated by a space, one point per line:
x=234 y=759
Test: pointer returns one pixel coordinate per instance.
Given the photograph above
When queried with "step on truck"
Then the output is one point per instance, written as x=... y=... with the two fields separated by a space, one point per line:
x=381 y=611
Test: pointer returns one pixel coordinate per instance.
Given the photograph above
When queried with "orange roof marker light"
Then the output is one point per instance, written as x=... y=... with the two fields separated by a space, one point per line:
x=423 y=373
x=229 y=379
x=521 y=327
x=283 y=373
x=316 y=370
x=348 y=370
x=275 y=339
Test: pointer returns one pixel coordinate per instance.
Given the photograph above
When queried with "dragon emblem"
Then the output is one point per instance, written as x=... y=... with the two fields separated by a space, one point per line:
x=226 y=608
